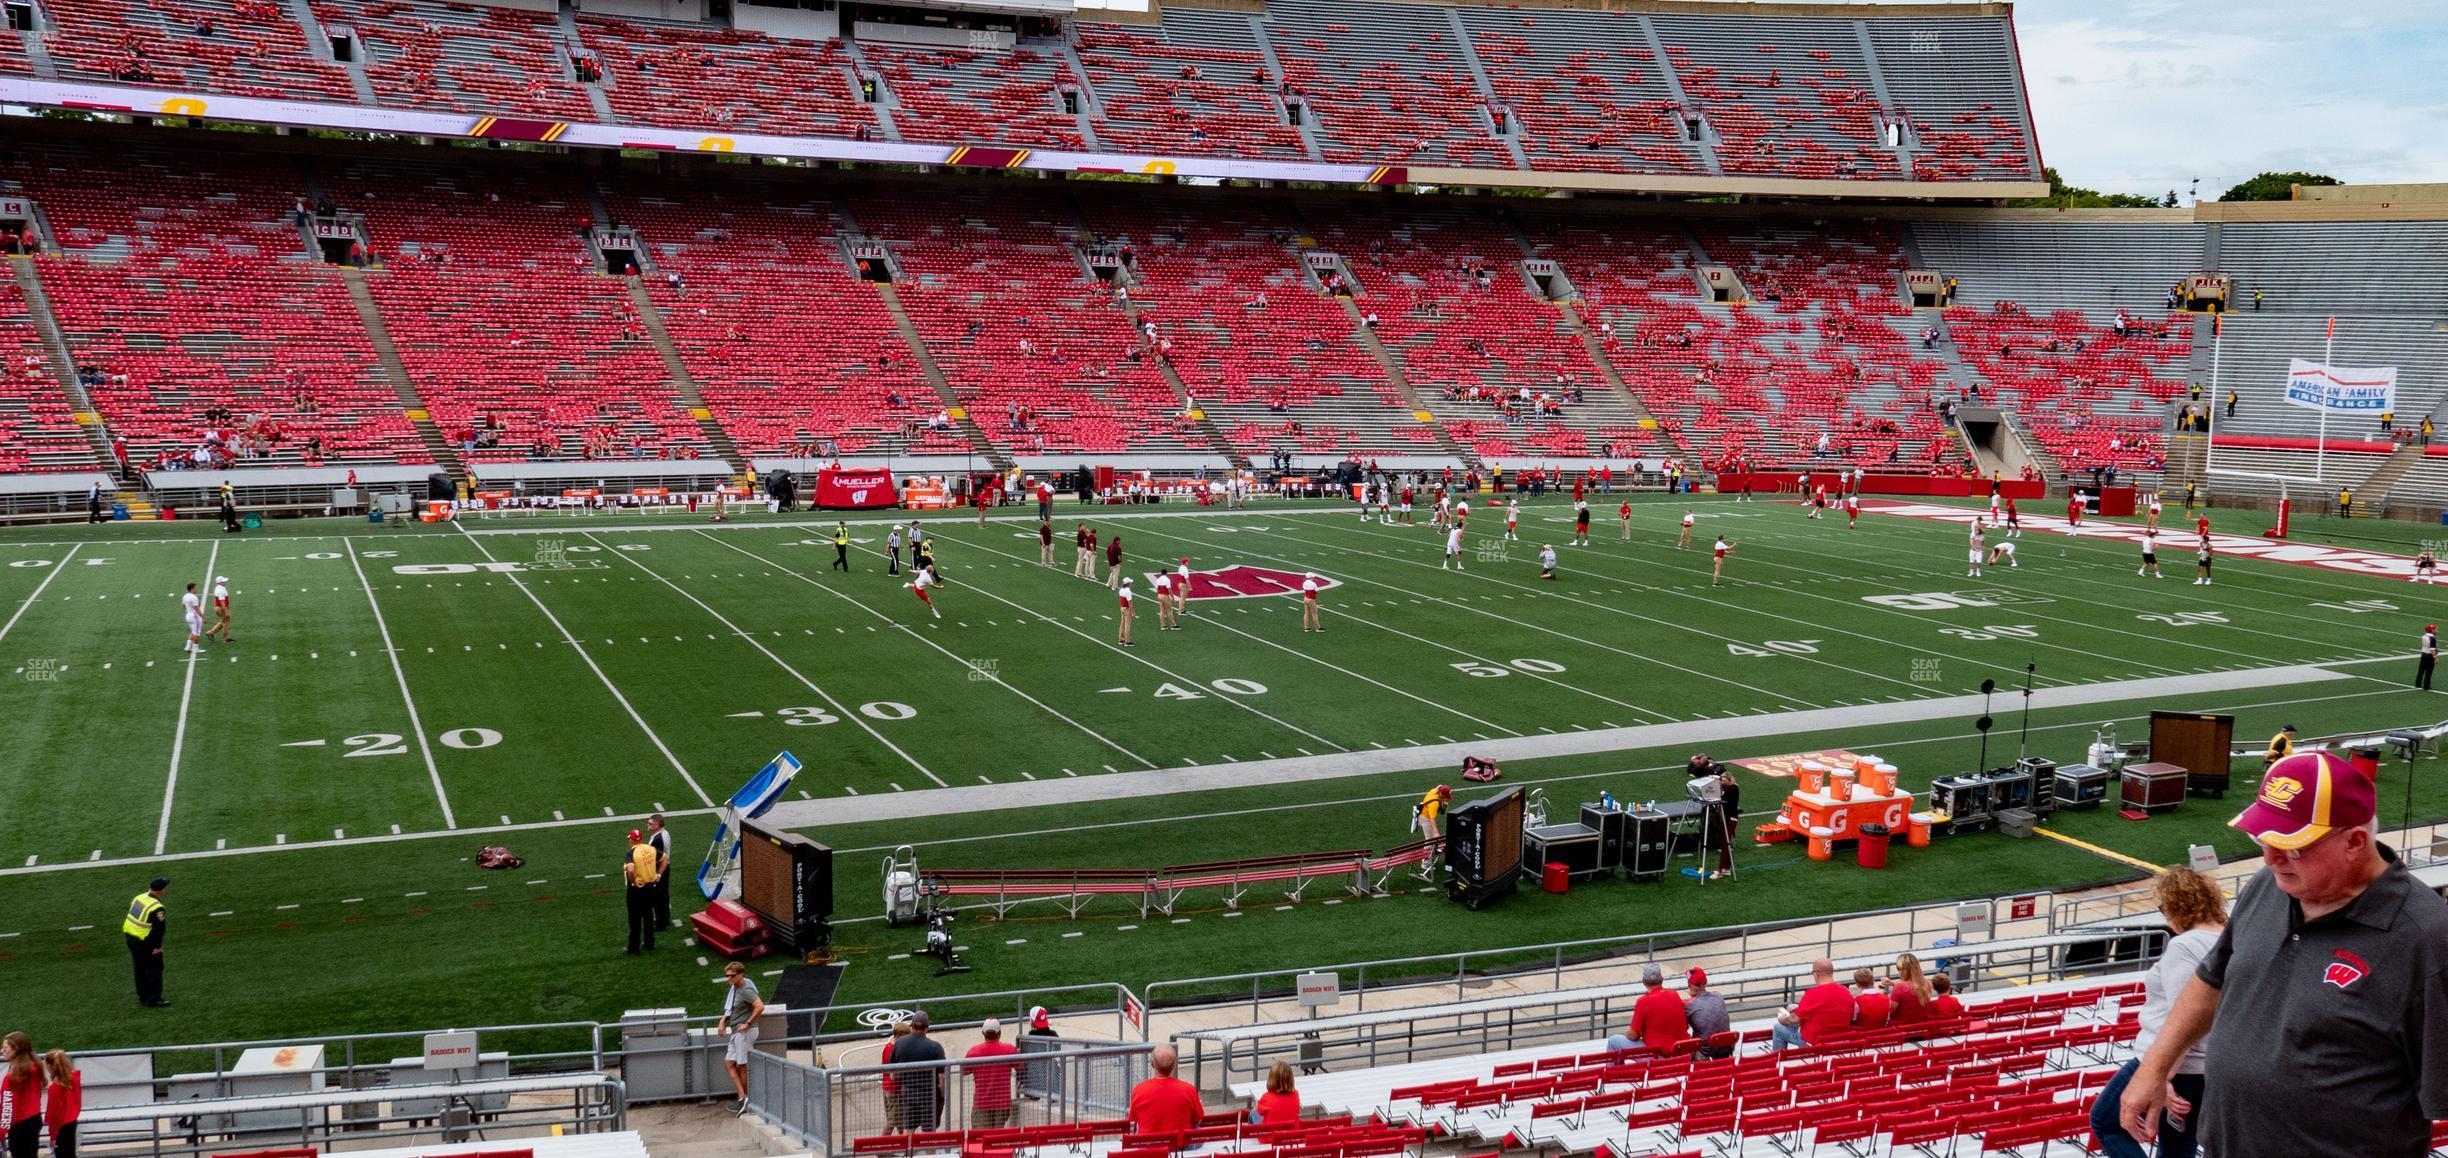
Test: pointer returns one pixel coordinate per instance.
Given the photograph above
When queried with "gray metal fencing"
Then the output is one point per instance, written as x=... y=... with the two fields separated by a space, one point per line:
x=330 y=1118
x=1050 y=1082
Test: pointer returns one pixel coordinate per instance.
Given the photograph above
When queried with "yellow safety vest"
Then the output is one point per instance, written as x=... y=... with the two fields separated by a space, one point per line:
x=642 y=864
x=139 y=920
x=841 y=538
x=2281 y=746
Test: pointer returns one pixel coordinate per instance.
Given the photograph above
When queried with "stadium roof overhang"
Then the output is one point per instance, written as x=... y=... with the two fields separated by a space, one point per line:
x=123 y=100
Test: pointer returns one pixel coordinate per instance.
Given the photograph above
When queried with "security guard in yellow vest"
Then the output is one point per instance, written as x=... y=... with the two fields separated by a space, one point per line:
x=641 y=870
x=145 y=925
x=841 y=546
x=2281 y=746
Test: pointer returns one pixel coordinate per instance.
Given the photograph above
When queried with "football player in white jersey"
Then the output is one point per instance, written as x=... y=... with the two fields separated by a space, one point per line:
x=193 y=605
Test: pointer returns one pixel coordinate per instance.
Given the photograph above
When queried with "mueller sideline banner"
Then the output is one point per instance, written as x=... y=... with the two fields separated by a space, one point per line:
x=855 y=489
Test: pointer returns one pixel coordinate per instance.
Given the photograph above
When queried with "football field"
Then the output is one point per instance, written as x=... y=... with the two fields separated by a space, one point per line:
x=393 y=700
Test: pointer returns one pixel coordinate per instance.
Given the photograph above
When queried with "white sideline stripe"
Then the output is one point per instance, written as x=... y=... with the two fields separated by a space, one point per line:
x=1212 y=621
x=991 y=677
x=22 y=608
x=415 y=723
x=795 y=673
x=572 y=640
x=178 y=738
x=951 y=800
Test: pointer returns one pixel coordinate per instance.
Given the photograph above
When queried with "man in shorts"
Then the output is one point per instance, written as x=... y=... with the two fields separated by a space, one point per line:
x=2201 y=566
x=2003 y=552
x=1512 y=519
x=1852 y=509
x=1580 y=524
x=922 y=583
x=2426 y=568
x=2150 y=554
x=742 y=1010
x=1453 y=550
x=2014 y=521
x=1979 y=547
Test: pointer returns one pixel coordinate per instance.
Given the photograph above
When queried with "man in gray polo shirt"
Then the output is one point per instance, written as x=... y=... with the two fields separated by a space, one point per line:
x=2326 y=999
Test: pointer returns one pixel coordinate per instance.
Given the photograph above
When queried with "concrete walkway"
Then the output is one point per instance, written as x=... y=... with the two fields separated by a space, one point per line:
x=1694 y=734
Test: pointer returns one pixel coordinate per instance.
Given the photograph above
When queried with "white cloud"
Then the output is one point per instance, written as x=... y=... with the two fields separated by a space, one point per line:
x=2144 y=97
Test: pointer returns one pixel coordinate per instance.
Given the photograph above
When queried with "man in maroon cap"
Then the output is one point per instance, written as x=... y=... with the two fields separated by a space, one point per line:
x=2326 y=998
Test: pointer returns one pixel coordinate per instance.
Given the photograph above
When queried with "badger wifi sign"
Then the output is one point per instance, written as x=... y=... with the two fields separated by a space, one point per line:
x=2342 y=389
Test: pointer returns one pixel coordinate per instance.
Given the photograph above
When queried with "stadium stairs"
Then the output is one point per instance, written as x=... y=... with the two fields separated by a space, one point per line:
x=1198 y=417
x=968 y=425
x=55 y=351
x=1402 y=383
x=396 y=372
x=683 y=383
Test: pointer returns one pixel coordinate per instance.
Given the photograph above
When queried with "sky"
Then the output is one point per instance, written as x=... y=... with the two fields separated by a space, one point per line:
x=2144 y=96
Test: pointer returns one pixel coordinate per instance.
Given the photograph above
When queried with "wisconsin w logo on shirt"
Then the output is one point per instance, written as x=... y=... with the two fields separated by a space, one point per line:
x=2345 y=968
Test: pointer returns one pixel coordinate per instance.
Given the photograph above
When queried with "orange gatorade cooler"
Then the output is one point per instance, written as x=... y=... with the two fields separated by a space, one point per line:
x=1812 y=776
x=1842 y=788
x=1880 y=780
x=1822 y=843
x=1917 y=830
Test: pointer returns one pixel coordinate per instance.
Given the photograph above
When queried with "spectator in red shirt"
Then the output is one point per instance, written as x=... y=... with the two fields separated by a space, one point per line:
x=1825 y=1010
x=1280 y=1102
x=1657 y=1018
x=21 y=1095
x=1909 y=992
x=1945 y=1006
x=1164 y=1104
x=990 y=1084
x=1869 y=1001
x=63 y=1102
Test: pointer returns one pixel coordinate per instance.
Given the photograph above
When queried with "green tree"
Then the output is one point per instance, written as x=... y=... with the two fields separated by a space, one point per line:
x=2064 y=196
x=2275 y=186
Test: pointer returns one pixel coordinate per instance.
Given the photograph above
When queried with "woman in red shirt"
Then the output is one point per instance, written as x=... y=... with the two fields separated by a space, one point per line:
x=1909 y=994
x=21 y=1095
x=1279 y=1103
x=62 y=1102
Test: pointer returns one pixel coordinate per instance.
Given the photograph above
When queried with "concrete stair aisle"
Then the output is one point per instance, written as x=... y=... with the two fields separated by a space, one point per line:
x=1402 y=384
x=445 y=456
x=55 y=346
x=1181 y=390
x=1614 y=377
x=683 y=383
x=935 y=378
x=2372 y=489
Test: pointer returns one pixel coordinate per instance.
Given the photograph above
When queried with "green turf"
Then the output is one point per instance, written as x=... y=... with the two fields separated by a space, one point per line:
x=700 y=652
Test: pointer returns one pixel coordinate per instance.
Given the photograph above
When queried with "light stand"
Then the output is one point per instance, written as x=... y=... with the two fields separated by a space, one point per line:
x=2023 y=741
x=1984 y=723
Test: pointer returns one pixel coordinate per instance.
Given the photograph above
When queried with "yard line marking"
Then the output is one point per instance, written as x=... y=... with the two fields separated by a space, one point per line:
x=971 y=669
x=415 y=722
x=1580 y=689
x=38 y=589
x=178 y=738
x=838 y=708
x=617 y=697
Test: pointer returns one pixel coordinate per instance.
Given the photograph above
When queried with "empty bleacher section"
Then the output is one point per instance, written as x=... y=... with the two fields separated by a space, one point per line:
x=1796 y=96
x=1959 y=81
x=792 y=354
x=2398 y=269
x=1587 y=96
x=2052 y=355
x=1472 y=342
x=38 y=428
x=185 y=286
x=1264 y=353
x=1783 y=96
x=687 y=75
x=1196 y=85
x=515 y=342
x=1038 y=351
x=469 y=58
x=1821 y=348
x=2015 y=1071
x=1386 y=83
